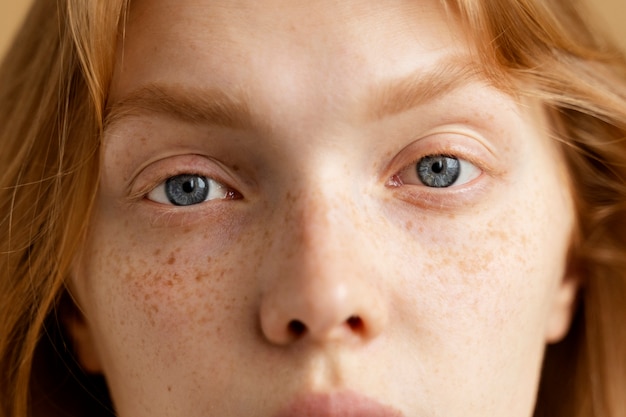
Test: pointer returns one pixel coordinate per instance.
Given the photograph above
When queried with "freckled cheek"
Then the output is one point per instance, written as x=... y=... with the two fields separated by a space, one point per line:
x=489 y=266
x=182 y=280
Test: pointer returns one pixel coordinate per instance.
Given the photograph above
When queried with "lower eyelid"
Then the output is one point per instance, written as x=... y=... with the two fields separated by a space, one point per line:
x=444 y=200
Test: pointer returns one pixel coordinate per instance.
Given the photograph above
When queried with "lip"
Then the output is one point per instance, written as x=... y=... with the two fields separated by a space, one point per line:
x=341 y=404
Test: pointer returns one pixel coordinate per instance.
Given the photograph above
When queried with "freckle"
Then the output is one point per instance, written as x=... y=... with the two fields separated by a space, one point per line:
x=171 y=260
x=157 y=252
x=169 y=388
x=236 y=168
x=209 y=259
x=409 y=225
x=525 y=240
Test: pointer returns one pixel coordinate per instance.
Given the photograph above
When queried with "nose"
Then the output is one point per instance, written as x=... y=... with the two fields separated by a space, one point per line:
x=321 y=283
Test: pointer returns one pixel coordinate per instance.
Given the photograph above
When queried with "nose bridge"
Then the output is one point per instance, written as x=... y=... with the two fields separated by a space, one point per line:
x=320 y=224
x=320 y=288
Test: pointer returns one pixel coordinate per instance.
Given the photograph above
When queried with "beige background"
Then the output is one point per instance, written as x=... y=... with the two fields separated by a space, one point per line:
x=12 y=12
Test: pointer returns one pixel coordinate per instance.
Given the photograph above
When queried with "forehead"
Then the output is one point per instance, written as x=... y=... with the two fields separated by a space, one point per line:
x=282 y=43
x=274 y=18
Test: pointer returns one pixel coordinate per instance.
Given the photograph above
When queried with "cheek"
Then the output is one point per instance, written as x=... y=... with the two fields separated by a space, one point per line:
x=485 y=278
x=473 y=296
x=151 y=295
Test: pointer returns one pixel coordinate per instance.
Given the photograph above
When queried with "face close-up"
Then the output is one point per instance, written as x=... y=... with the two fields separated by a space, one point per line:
x=319 y=209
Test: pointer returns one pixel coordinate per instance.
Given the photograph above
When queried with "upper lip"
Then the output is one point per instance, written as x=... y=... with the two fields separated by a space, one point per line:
x=341 y=404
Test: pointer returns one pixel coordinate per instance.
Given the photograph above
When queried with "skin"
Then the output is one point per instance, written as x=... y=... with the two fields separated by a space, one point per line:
x=436 y=302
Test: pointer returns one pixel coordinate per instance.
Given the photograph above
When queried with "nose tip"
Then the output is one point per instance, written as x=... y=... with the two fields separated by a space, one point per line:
x=321 y=318
x=319 y=281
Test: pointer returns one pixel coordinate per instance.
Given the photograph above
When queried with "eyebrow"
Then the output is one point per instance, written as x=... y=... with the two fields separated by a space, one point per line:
x=212 y=106
x=230 y=109
x=399 y=95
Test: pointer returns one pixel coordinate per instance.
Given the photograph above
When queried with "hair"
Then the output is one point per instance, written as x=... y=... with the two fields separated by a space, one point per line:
x=51 y=119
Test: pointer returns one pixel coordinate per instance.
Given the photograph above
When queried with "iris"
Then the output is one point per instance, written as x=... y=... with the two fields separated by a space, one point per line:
x=186 y=189
x=438 y=171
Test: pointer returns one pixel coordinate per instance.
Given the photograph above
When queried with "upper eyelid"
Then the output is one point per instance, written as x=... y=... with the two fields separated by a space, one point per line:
x=450 y=155
x=456 y=144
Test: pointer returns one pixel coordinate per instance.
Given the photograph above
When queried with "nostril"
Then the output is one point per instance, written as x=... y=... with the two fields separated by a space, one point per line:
x=296 y=328
x=355 y=323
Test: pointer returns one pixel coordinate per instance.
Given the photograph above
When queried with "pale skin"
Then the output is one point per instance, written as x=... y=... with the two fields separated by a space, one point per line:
x=320 y=263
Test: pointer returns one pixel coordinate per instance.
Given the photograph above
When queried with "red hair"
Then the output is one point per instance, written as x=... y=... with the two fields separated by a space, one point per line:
x=51 y=114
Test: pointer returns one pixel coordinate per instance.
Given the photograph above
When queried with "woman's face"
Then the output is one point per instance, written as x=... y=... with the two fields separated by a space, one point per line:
x=319 y=209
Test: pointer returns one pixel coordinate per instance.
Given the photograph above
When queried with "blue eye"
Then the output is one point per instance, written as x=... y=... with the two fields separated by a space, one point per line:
x=438 y=171
x=187 y=190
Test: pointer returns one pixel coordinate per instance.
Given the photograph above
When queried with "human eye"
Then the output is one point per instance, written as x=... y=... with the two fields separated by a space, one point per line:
x=189 y=189
x=449 y=170
x=438 y=171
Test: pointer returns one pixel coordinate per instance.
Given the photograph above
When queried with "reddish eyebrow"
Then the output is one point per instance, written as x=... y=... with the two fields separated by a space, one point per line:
x=399 y=95
x=230 y=109
x=211 y=106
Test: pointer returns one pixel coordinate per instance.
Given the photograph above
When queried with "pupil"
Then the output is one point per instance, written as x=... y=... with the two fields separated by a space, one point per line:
x=188 y=186
x=437 y=167
x=438 y=171
x=187 y=189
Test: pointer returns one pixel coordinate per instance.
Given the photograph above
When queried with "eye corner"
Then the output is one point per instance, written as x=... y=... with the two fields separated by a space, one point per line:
x=394 y=181
x=233 y=195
